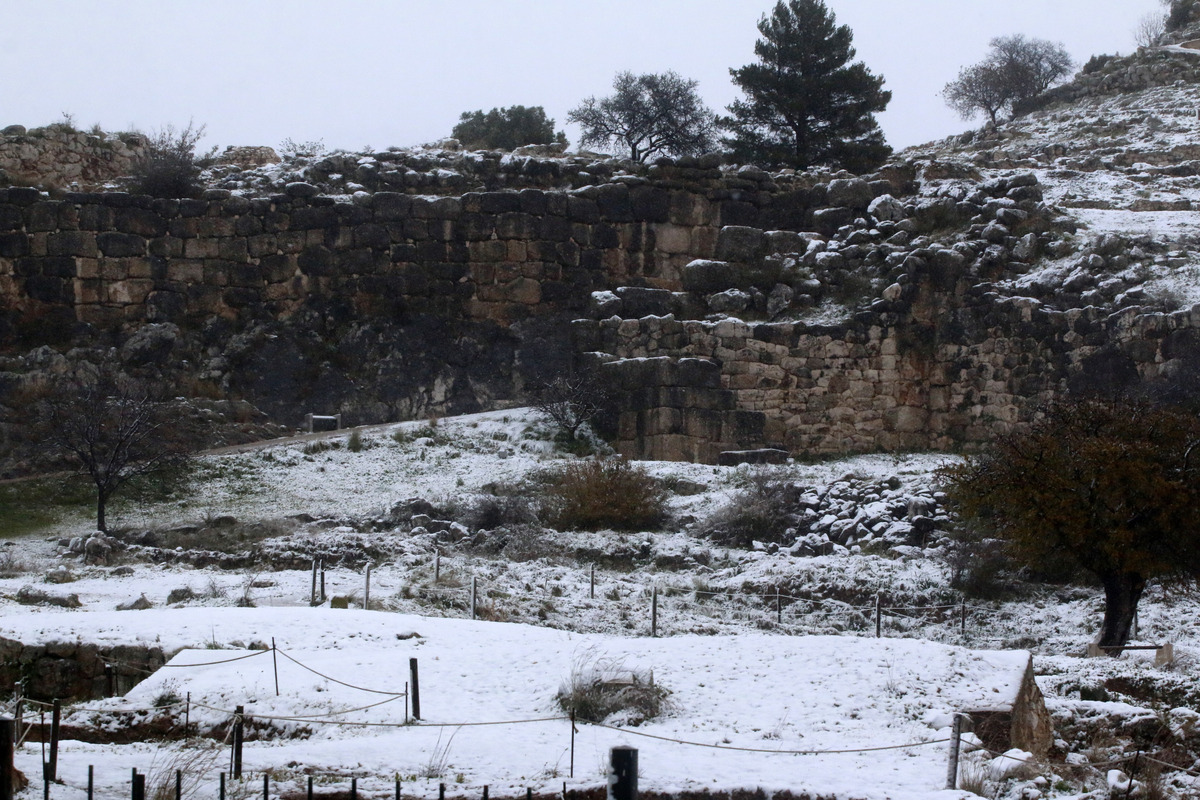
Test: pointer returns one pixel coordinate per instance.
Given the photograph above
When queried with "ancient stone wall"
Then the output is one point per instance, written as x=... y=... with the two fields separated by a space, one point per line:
x=928 y=369
x=60 y=157
x=115 y=259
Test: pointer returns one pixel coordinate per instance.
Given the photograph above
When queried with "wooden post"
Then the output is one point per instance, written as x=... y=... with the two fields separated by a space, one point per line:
x=592 y=591
x=108 y=673
x=139 y=787
x=322 y=580
x=654 y=612
x=437 y=564
x=528 y=793
x=397 y=787
x=962 y=626
x=55 y=719
x=367 y=589
x=441 y=791
x=623 y=774
x=312 y=595
x=238 y=733
x=1133 y=772
x=310 y=788
x=878 y=615
x=778 y=606
x=485 y=792
x=187 y=716
x=572 y=773
x=354 y=789
x=275 y=665
x=416 y=688
x=19 y=704
x=8 y=738
x=952 y=766
x=474 y=589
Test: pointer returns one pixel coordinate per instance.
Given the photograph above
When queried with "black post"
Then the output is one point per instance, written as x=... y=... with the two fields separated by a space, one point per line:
x=91 y=781
x=221 y=788
x=963 y=618
x=416 y=688
x=275 y=664
x=312 y=595
x=178 y=784
x=139 y=787
x=572 y=773
x=238 y=733
x=310 y=797
x=592 y=592
x=397 y=787
x=8 y=737
x=878 y=616
x=528 y=793
x=108 y=673
x=485 y=792
x=187 y=716
x=623 y=774
x=266 y=786
x=322 y=580
x=354 y=789
x=55 y=719
x=778 y=606
x=441 y=791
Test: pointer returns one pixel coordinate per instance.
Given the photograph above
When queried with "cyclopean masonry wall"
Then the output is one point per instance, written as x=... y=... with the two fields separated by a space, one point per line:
x=927 y=369
x=115 y=259
x=932 y=358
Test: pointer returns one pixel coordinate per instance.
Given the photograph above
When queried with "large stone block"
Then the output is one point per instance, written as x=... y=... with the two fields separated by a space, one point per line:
x=741 y=244
x=121 y=245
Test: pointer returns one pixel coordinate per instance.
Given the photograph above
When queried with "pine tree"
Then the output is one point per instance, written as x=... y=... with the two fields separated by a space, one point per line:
x=806 y=104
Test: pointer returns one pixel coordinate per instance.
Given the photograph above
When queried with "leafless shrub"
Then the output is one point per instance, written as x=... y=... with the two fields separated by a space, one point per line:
x=600 y=687
x=605 y=493
x=169 y=166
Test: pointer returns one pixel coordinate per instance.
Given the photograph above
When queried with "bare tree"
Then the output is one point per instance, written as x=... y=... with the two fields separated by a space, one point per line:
x=648 y=114
x=113 y=429
x=1016 y=70
x=571 y=401
x=1150 y=29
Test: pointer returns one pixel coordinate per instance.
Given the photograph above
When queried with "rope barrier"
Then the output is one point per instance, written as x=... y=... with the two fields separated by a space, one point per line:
x=762 y=750
x=225 y=661
x=335 y=680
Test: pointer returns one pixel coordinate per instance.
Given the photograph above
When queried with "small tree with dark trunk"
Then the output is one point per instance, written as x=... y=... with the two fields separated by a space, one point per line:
x=1109 y=487
x=113 y=429
x=648 y=114
x=1016 y=70
x=571 y=401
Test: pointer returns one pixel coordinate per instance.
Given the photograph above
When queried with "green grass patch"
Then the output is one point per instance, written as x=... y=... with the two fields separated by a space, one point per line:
x=34 y=505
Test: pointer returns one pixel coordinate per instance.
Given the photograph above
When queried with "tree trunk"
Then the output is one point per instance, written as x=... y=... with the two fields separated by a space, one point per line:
x=101 y=501
x=1122 y=590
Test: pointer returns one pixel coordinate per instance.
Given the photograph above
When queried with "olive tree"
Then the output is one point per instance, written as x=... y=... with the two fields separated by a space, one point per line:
x=1016 y=70
x=647 y=115
x=1108 y=487
x=112 y=428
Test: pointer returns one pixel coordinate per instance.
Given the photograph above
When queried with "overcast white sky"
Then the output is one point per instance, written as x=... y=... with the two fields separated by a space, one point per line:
x=399 y=72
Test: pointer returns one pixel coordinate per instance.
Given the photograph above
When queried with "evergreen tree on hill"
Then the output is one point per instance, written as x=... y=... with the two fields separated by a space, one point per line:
x=806 y=104
x=506 y=128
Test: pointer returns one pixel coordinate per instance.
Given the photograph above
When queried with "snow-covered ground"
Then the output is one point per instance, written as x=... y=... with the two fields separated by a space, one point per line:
x=742 y=670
